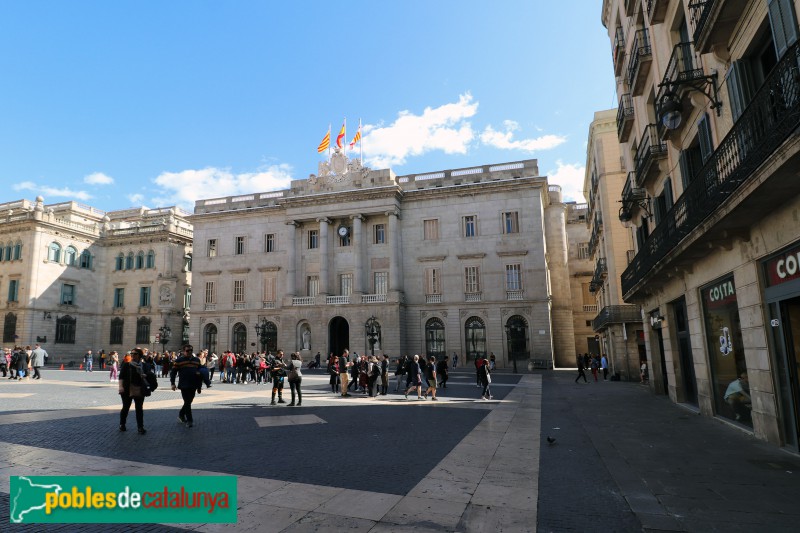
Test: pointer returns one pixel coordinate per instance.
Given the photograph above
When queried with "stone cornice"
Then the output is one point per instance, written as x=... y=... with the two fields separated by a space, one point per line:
x=239 y=270
x=211 y=272
x=480 y=255
x=512 y=253
x=269 y=269
x=431 y=258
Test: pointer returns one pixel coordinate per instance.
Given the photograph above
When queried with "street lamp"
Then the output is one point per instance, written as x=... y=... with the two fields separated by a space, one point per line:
x=262 y=331
x=513 y=331
x=165 y=332
x=373 y=333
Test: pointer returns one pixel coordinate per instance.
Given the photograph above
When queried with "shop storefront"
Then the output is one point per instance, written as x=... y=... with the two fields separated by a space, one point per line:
x=729 y=380
x=781 y=277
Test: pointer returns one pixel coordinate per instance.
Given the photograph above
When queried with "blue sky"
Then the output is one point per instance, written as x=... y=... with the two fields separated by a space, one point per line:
x=116 y=104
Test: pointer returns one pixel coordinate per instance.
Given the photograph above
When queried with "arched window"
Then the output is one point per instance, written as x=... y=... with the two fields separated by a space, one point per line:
x=117 y=325
x=475 y=338
x=120 y=263
x=10 y=328
x=517 y=336
x=129 y=261
x=210 y=338
x=2 y=254
x=151 y=259
x=86 y=259
x=8 y=252
x=187 y=262
x=65 y=330
x=140 y=260
x=142 y=330
x=71 y=256
x=434 y=338
x=18 y=251
x=54 y=253
x=239 y=338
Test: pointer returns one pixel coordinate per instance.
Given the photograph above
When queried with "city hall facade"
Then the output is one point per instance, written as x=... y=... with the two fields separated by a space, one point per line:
x=468 y=261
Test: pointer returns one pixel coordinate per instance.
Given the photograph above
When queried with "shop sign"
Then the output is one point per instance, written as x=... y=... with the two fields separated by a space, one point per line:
x=720 y=294
x=783 y=268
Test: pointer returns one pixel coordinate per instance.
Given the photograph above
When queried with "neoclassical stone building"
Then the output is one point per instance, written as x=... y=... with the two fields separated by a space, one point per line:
x=467 y=261
x=75 y=278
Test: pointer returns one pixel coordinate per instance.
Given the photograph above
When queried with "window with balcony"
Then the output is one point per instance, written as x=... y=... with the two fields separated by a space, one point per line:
x=312 y=286
x=144 y=297
x=663 y=202
x=380 y=282
x=513 y=278
x=345 y=284
x=119 y=298
x=210 y=293
x=430 y=229
x=313 y=239
x=238 y=292
x=510 y=222
x=380 y=234
x=433 y=284
x=783 y=21
x=472 y=279
x=239 y=245
x=269 y=242
x=211 y=248
x=270 y=284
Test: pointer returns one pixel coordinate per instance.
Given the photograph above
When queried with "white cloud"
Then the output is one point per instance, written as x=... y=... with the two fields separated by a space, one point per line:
x=135 y=199
x=47 y=191
x=185 y=187
x=98 y=178
x=442 y=128
x=504 y=140
x=570 y=177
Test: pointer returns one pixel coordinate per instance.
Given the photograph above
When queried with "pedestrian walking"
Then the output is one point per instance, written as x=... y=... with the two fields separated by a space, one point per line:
x=414 y=378
x=455 y=359
x=132 y=388
x=373 y=377
x=400 y=372
x=102 y=359
x=333 y=372
x=595 y=364
x=22 y=362
x=38 y=358
x=384 y=361
x=211 y=363
x=604 y=366
x=277 y=369
x=430 y=376
x=344 y=364
x=581 y=369
x=113 y=359
x=88 y=358
x=442 y=372
x=187 y=369
x=485 y=378
x=295 y=379
x=492 y=361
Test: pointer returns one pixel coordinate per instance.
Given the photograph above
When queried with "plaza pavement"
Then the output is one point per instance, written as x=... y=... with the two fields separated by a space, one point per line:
x=358 y=464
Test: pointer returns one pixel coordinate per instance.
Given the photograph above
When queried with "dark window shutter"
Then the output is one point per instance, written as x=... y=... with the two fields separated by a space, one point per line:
x=668 y=201
x=740 y=87
x=686 y=169
x=704 y=135
x=783 y=22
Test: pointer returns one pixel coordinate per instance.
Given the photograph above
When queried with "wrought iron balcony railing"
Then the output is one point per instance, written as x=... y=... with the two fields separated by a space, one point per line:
x=624 y=117
x=618 y=52
x=684 y=71
x=630 y=7
x=650 y=150
x=600 y=272
x=770 y=118
x=656 y=10
x=616 y=314
x=639 y=61
x=699 y=11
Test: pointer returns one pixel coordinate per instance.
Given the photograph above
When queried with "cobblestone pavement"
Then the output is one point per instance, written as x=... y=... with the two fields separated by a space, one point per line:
x=627 y=460
x=388 y=464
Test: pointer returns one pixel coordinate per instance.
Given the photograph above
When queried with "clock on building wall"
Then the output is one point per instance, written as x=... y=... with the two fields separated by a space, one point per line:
x=343 y=231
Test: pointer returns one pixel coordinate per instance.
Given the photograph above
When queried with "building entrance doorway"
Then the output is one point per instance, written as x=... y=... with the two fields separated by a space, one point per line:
x=689 y=381
x=785 y=321
x=338 y=335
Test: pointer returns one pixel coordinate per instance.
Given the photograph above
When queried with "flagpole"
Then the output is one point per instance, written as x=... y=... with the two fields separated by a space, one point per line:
x=360 y=145
x=329 y=142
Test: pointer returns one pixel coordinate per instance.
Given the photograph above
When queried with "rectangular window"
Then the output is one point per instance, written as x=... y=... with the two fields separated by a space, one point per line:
x=430 y=229
x=211 y=293
x=67 y=294
x=119 y=298
x=313 y=239
x=238 y=291
x=239 y=247
x=144 y=296
x=472 y=283
x=65 y=330
x=116 y=331
x=269 y=242
x=583 y=250
x=187 y=298
x=469 y=226
x=269 y=288
x=381 y=282
x=212 y=247
x=13 y=290
x=510 y=222
x=433 y=284
x=346 y=284
x=313 y=286
x=513 y=278
x=143 y=331
x=380 y=234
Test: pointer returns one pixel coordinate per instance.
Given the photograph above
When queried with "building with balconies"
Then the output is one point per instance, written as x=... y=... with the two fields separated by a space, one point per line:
x=584 y=307
x=617 y=327
x=472 y=261
x=712 y=156
x=76 y=278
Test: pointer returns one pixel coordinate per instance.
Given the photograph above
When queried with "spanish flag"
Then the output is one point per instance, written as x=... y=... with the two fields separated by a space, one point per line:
x=341 y=136
x=326 y=142
x=357 y=137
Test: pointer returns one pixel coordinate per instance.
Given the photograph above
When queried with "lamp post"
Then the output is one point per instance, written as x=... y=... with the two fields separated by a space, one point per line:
x=512 y=330
x=165 y=332
x=261 y=333
x=373 y=332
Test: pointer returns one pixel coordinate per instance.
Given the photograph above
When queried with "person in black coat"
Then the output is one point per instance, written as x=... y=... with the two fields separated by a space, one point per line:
x=132 y=388
x=187 y=368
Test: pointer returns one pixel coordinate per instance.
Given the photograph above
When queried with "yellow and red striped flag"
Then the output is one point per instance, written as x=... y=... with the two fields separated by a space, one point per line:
x=340 y=137
x=357 y=136
x=326 y=142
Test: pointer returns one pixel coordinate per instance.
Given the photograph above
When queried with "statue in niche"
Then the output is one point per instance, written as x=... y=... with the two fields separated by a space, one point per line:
x=306 y=336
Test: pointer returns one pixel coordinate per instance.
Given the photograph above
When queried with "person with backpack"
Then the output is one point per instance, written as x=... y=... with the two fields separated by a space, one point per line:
x=230 y=367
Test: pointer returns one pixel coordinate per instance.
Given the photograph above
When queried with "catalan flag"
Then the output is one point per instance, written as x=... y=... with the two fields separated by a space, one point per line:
x=342 y=133
x=357 y=136
x=326 y=142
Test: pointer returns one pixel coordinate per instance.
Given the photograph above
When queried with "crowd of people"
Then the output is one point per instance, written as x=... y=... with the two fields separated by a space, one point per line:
x=23 y=362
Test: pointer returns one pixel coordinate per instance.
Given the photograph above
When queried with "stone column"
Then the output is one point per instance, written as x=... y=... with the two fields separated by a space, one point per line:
x=291 y=273
x=394 y=252
x=324 y=258
x=358 y=253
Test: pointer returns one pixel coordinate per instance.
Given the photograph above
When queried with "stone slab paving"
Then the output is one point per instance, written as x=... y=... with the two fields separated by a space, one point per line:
x=374 y=465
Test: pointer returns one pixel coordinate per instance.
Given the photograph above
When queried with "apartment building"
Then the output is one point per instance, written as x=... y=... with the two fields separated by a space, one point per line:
x=470 y=261
x=617 y=325
x=76 y=278
x=584 y=307
x=709 y=105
